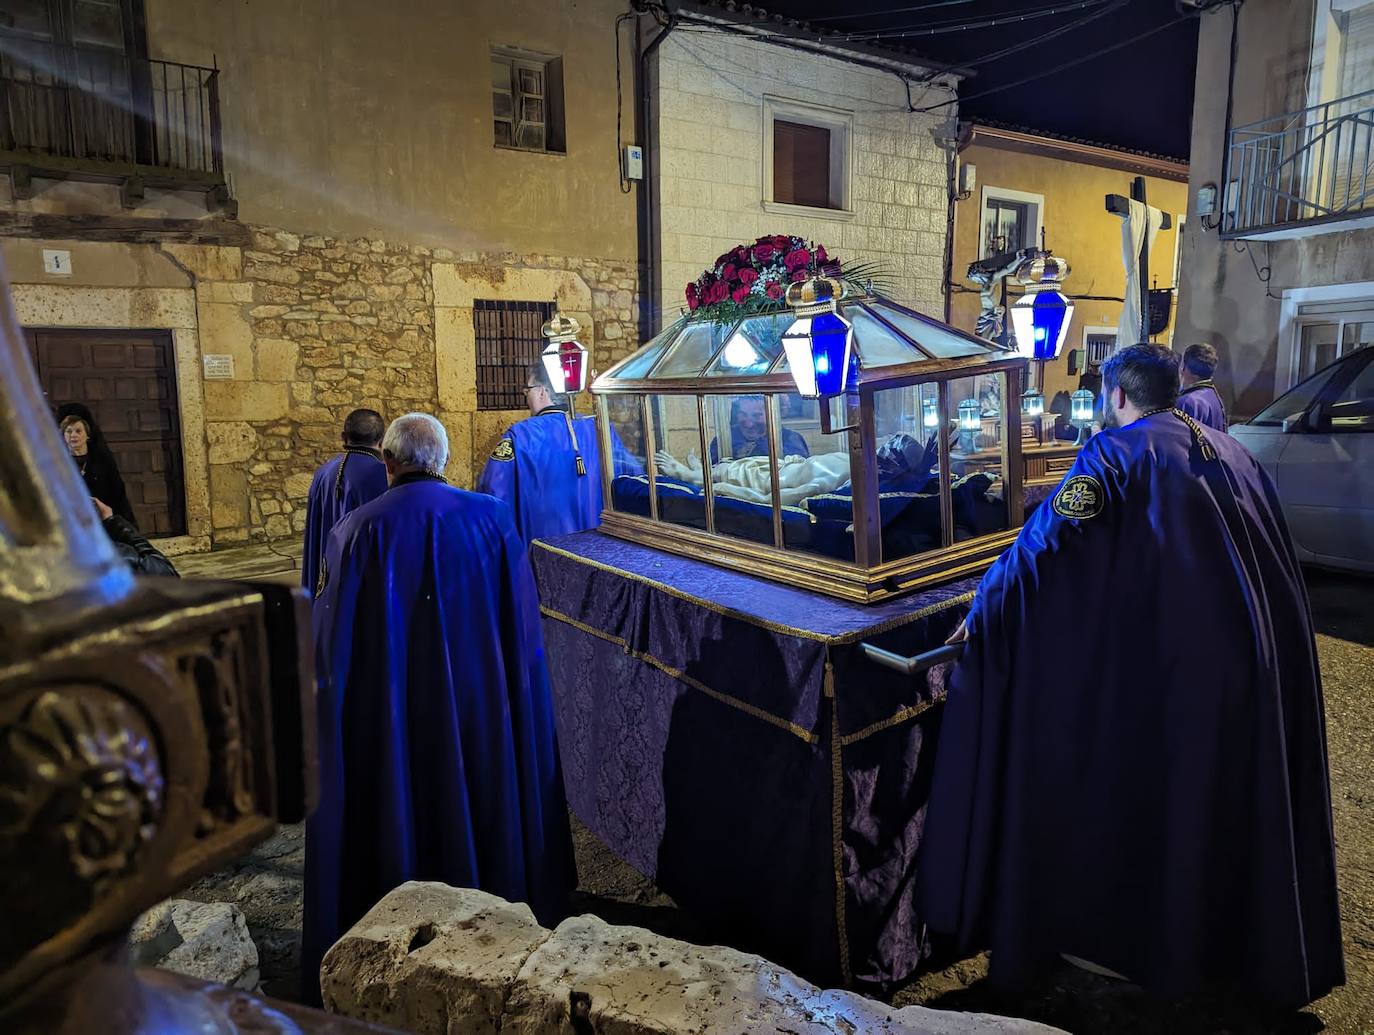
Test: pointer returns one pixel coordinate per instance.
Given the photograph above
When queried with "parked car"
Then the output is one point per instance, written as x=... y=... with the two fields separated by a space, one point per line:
x=1317 y=443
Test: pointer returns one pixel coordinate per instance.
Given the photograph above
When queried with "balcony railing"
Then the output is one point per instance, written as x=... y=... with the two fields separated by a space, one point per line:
x=1300 y=170
x=85 y=107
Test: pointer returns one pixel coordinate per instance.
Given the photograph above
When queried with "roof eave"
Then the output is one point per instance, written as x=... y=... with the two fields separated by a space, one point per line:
x=1091 y=154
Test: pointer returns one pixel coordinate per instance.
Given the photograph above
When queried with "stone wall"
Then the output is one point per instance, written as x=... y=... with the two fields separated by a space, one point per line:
x=319 y=326
x=715 y=93
x=316 y=326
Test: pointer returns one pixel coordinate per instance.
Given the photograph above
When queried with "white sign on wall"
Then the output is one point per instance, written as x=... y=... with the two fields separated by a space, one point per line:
x=219 y=368
x=57 y=263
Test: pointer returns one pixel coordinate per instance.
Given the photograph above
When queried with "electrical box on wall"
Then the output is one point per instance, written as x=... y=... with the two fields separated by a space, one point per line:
x=968 y=177
x=634 y=162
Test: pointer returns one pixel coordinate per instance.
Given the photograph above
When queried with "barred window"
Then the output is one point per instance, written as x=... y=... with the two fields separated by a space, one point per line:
x=508 y=341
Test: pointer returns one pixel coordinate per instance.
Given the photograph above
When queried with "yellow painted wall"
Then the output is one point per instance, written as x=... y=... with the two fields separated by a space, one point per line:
x=1078 y=228
x=357 y=118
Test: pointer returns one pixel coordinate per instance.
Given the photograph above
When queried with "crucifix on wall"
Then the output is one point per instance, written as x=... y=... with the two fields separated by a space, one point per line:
x=1140 y=224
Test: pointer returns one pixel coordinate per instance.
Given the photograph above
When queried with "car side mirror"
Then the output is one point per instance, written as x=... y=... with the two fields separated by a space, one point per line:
x=1314 y=419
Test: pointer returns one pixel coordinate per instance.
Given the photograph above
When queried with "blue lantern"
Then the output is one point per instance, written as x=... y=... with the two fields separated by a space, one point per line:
x=820 y=342
x=1040 y=317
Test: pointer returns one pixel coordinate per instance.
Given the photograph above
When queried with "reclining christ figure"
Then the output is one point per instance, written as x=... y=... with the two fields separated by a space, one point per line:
x=748 y=478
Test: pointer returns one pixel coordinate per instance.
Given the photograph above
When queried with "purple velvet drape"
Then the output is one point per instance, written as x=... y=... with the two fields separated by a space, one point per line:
x=729 y=739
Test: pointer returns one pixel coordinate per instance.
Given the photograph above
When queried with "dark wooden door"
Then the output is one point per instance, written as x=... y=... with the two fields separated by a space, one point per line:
x=128 y=379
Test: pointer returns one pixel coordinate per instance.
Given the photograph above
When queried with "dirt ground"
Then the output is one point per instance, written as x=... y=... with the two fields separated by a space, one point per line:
x=267 y=885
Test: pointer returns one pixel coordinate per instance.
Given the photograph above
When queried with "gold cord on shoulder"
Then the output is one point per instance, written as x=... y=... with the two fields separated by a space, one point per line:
x=1208 y=453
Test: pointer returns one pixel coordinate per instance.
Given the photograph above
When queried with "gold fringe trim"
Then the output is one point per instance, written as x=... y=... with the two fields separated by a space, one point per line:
x=900 y=717
x=837 y=826
x=683 y=677
x=763 y=623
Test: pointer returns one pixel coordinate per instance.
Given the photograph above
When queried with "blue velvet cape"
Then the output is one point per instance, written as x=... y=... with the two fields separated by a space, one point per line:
x=1203 y=404
x=534 y=469
x=1132 y=767
x=437 y=753
x=340 y=486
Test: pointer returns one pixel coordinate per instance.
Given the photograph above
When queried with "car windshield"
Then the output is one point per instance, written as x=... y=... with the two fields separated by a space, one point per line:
x=1294 y=403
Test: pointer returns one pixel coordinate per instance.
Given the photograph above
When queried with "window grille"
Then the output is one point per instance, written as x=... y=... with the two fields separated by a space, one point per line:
x=508 y=341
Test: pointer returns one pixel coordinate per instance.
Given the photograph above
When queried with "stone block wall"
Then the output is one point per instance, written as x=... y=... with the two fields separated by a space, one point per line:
x=316 y=326
x=711 y=142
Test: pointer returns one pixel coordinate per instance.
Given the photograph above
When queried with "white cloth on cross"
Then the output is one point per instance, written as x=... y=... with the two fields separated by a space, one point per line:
x=1139 y=226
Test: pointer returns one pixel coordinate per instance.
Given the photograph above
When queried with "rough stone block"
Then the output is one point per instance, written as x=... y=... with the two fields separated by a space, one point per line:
x=208 y=262
x=298 y=485
x=429 y=958
x=231 y=442
x=277 y=359
x=246 y=400
x=224 y=330
x=228 y=496
x=205 y=940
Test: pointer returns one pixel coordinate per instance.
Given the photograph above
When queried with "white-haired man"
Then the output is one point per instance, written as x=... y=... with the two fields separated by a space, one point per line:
x=437 y=755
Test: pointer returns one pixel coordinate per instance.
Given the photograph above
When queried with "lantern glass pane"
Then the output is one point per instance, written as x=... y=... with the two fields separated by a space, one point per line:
x=797 y=359
x=1081 y=405
x=977 y=480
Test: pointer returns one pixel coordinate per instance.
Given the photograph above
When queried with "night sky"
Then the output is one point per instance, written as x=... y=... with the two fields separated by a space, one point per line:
x=1139 y=96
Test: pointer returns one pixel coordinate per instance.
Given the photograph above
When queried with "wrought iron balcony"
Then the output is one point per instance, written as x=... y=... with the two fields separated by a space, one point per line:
x=92 y=113
x=1303 y=172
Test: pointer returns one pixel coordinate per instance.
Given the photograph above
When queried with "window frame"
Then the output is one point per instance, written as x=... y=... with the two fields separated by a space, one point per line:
x=840 y=123
x=1339 y=301
x=537 y=311
x=550 y=69
x=1035 y=214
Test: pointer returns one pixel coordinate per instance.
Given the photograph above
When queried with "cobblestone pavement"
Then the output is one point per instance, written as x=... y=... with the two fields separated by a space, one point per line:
x=267 y=885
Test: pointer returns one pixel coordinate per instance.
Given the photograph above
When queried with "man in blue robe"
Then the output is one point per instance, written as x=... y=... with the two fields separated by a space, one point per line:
x=437 y=753
x=341 y=486
x=1148 y=792
x=749 y=432
x=1198 y=396
x=548 y=466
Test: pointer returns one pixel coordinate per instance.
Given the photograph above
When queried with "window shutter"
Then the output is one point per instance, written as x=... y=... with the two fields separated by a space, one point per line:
x=801 y=164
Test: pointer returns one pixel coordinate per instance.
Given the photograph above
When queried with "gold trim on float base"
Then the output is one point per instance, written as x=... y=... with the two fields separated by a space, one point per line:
x=810 y=571
x=787 y=630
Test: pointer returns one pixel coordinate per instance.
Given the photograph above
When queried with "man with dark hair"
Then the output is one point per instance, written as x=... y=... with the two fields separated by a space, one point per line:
x=548 y=466
x=1151 y=795
x=342 y=485
x=1199 y=397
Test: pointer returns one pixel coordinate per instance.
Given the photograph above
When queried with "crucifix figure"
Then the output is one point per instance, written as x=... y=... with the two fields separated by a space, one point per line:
x=1140 y=224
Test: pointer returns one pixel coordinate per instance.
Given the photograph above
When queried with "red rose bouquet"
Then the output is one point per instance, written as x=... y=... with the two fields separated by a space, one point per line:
x=754 y=277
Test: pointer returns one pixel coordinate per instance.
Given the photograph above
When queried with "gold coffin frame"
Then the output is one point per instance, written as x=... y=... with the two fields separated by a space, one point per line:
x=868 y=579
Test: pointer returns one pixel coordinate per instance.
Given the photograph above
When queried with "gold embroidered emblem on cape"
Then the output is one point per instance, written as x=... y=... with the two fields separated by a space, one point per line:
x=1080 y=497
x=504 y=450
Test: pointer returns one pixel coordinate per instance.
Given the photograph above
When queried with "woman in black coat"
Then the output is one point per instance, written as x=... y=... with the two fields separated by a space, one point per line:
x=96 y=463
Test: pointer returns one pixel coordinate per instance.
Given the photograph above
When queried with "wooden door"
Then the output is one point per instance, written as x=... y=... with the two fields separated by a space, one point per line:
x=128 y=379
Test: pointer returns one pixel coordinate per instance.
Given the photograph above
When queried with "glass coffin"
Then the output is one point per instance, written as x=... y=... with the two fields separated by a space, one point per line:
x=913 y=477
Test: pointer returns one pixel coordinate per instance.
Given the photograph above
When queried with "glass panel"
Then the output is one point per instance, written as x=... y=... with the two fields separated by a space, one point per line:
x=531 y=81
x=1353 y=409
x=29 y=17
x=813 y=482
x=500 y=74
x=741 y=476
x=681 y=499
x=1356 y=336
x=938 y=340
x=629 y=456
x=638 y=365
x=1317 y=348
x=98 y=23
x=693 y=350
x=1292 y=404
x=978 y=486
x=752 y=348
x=907 y=425
x=501 y=106
x=502 y=133
x=877 y=344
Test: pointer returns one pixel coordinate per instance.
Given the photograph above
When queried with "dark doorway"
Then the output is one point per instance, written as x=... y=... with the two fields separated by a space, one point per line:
x=128 y=379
